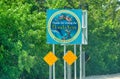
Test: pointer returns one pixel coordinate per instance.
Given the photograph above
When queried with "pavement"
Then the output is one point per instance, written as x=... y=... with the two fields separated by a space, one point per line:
x=109 y=76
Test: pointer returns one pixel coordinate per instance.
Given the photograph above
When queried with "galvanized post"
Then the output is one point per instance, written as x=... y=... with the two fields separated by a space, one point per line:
x=54 y=63
x=65 y=74
x=50 y=72
x=80 y=61
x=75 y=69
x=68 y=71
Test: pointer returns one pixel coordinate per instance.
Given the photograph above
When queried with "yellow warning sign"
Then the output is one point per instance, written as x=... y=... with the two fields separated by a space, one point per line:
x=70 y=58
x=50 y=58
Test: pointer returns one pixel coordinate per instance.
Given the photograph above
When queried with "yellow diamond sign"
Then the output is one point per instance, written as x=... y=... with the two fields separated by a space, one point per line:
x=50 y=58
x=70 y=58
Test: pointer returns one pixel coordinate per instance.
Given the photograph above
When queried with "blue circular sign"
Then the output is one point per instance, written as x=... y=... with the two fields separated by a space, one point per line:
x=64 y=26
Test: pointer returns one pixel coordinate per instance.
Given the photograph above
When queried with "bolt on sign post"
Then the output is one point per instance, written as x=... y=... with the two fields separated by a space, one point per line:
x=65 y=27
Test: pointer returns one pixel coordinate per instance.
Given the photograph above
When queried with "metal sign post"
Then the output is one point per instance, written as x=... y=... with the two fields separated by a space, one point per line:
x=81 y=62
x=50 y=72
x=75 y=69
x=68 y=71
x=54 y=63
x=85 y=42
x=52 y=68
x=65 y=75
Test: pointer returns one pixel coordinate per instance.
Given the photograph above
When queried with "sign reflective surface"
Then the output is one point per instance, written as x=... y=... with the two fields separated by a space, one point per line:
x=64 y=26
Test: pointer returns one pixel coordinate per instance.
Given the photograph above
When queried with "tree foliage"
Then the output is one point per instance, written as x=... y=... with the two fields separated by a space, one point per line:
x=23 y=37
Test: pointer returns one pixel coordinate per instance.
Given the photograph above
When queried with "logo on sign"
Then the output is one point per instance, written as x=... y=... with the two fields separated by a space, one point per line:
x=64 y=26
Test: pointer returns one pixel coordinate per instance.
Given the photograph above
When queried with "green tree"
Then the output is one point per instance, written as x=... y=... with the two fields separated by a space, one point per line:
x=23 y=37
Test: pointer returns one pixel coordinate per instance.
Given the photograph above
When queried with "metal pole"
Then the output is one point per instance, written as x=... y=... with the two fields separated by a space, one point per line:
x=64 y=63
x=80 y=61
x=75 y=74
x=54 y=63
x=50 y=72
x=69 y=71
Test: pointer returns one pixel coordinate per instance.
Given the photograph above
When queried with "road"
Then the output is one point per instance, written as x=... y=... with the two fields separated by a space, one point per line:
x=112 y=76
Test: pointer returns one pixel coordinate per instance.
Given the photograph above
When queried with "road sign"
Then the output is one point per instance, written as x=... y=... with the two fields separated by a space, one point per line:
x=50 y=58
x=64 y=26
x=70 y=58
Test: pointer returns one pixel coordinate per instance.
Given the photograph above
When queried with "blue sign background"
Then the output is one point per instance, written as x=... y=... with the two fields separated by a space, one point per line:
x=64 y=26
